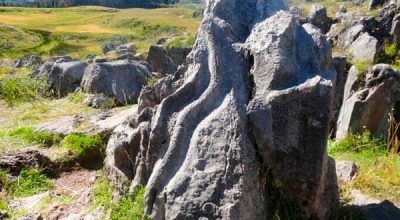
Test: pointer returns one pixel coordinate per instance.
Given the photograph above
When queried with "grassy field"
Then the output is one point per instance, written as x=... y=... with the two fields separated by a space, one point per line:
x=79 y=31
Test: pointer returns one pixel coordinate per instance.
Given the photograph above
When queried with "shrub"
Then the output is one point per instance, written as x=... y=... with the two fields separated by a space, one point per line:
x=76 y=97
x=17 y=89
x=42 y=138
x=29 y=183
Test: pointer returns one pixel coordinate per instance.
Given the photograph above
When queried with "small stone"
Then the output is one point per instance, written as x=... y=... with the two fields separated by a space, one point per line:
x=346 y=171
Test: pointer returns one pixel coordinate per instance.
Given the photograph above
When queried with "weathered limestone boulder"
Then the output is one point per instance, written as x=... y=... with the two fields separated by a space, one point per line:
x=66 y=77
x=99 y=101
x=339 y=64
x=367 y=102
x=319 y=18
x=395 y=30
x=166 y=60
x=375 y=3
x=346 y=171
x=31 y=61
x=122 y=80
x=14 y=162
x=209 y=141
x=365 y=48
x=62 y=126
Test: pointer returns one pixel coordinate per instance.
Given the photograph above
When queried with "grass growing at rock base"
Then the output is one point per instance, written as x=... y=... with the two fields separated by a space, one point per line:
x=379 y=170
x=23 y=88
x=125 y=207
x=29 y=135
x=81 y=144
x=29 y=183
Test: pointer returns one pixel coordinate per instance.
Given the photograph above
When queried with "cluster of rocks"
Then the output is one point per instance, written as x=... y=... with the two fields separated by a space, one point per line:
x=107 y=81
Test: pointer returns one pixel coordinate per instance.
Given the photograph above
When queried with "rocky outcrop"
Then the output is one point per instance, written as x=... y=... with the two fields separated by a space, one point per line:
x=365 y=48
x=375 y=3
x=166 y=60
x=15 y=162
x=249 y=109
x=346 y=171
x=66 y=77
x=368 y=99
x=339 y=64
x=122 y=80
x=319 y=18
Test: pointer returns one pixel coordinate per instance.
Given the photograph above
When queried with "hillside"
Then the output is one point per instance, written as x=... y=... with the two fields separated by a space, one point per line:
x=80 y=31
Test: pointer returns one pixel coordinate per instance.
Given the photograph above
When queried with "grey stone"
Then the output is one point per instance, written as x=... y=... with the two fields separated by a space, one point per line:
x=14 y=162
x=200 y=149
x=365 y=48
x=99 y=101
x=339 y=63
x=342 y=9
x=319 y=17
x=65 y=77
x=367 y=102
x=346 y=171
x=166 y=60
x=31 y=61
x=395 y=32
x=121 y=80
x=375 y=3
x=62 y=126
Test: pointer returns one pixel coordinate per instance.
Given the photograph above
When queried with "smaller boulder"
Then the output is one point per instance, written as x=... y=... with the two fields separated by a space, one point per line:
x=346 y=171
x=66 y=77
x=319 y=18
x=120 y=80
x=375 y=3
x=159 y=61
x=62 y=126
x=365 y=48
x=15 y=162
x=99 y=101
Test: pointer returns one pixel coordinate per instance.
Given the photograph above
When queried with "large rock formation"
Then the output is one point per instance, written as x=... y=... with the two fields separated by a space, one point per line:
x=368 y=99
x=122 y=80
x=249 y=109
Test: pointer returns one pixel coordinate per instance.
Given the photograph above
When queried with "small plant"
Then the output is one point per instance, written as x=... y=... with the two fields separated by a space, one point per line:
x=41 y=138
x=362 y=67
x=5 y=182
x=29 y=183
x=81 y=144
x=129 y=207
x=17 y=89
x=357 y=143
x=76 y=97
x=102 y=194
x=183 y=42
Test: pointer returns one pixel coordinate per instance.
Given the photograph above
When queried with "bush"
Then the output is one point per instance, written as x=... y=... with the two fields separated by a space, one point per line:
x=17 y=89
x=183 y=42
x=42 y=138
x=29 y=183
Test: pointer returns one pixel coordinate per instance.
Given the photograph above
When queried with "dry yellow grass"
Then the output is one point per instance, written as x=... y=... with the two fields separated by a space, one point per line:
x=88 y=29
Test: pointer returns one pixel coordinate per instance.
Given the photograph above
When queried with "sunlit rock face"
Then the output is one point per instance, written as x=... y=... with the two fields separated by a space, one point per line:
x=249 y=109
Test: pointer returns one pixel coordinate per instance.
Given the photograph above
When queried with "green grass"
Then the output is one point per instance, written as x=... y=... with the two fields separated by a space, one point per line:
x=184 y=42
x=29 y=183
x=128 y=207
x=78 y=31
x=81 y=144
x=23 y=88
x=125 y=207
x=76 y=97
x=29 y=135
x=379 y=170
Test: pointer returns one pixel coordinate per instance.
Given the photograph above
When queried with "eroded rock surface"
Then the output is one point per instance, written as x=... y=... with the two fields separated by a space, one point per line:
x=251 y=105
x=368 y=99
x=122 y=80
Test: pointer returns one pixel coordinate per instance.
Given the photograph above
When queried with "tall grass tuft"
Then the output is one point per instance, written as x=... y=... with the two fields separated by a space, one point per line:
x=29 y=183
x=23 y=88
